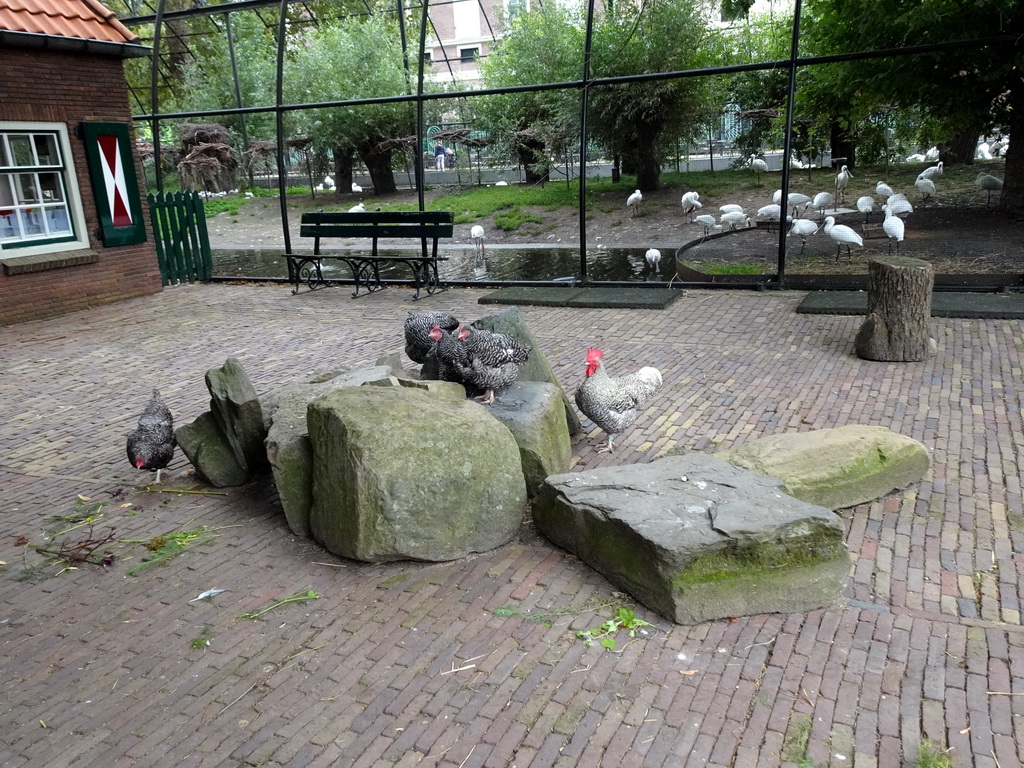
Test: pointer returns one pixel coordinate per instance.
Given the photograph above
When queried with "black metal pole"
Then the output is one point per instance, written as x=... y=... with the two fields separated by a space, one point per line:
x=787 y=143
x=282 y=28
x=420 y=173
x=584 y=103
x=238 y=88
x=154 y=99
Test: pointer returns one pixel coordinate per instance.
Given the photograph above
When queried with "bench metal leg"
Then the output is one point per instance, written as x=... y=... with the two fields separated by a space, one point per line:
x=303 y=270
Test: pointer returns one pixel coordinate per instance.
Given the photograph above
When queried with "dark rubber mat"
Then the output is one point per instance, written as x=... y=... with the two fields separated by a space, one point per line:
x=610 y=297
x=995 y=306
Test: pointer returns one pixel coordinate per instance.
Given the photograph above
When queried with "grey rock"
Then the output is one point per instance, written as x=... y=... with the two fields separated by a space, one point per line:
x=533 y=411
x=399 y=473
x=836 y=468
x=287 y=443
x=537 y=368
x=695 y=538
x=236 y=407
x=206 y=447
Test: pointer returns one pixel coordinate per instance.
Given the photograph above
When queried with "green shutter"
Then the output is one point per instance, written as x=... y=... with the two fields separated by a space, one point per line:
x=108 y=151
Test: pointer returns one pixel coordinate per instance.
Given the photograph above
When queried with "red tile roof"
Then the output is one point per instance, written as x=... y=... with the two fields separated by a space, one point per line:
x=83 y=19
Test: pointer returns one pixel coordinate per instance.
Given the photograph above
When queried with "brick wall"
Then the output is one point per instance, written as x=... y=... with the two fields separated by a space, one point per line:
x=59 y=87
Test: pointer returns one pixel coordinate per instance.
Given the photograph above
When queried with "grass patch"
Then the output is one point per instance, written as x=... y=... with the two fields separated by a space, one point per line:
x=714 y=268
x=930 y=755
x=232 y=204
x=513 y=218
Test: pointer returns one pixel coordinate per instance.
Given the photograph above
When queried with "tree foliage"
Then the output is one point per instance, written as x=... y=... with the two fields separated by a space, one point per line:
x=637 y=119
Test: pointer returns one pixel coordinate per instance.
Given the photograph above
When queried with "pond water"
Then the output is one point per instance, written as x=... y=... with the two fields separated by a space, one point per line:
x=498 y=264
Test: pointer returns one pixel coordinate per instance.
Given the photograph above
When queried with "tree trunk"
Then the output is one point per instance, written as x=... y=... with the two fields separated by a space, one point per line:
x=343 y=169
x=1012 y=198
x=899 y=311
x=647 y=160
x=532 y=155
x=378 y=164
x=843 y=146
x=960 y=148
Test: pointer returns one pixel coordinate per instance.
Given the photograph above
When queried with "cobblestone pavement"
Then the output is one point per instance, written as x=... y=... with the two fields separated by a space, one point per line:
x=409 y=663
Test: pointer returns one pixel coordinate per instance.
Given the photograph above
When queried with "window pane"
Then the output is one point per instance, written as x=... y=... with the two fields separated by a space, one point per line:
x=9 y=227
x=57 y=221
x=52 y=188
x=31 y=221
x=6 y=196
x=21 y=150
x=28 y=189
x=46 y=149
x=3 y=153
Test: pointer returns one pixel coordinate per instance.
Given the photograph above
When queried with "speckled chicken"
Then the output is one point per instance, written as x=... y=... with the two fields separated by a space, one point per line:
x=151 y=445
x=452 y=357
x=493 y=360
x=418 y=327
x=614 y=402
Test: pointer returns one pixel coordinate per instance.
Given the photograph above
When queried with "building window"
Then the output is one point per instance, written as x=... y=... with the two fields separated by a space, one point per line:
x=428 y=57
x=38 y=190
x=468 y=55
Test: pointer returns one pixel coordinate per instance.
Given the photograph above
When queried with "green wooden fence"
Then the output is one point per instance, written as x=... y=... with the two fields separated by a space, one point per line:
x=182 y=243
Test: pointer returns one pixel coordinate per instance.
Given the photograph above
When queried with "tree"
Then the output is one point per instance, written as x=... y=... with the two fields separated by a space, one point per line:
x=964 y=93
x=638 y=119
x=357 y=58
x=542 y=45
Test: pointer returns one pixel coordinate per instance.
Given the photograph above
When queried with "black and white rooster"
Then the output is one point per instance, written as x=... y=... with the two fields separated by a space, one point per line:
x=418 y=328
x=151 y=445
x=493 y=360
x=452 y=357
x=613 y=403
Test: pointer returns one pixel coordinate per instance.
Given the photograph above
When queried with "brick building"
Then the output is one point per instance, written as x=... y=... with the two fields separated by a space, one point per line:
x=466 y=30
x=73 y=223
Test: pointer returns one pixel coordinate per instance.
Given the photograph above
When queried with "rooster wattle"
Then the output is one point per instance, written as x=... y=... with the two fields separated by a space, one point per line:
x=151 y=445
x=613 y=403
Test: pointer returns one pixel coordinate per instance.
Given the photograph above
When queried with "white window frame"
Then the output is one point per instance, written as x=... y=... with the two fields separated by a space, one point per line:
x=78 y=238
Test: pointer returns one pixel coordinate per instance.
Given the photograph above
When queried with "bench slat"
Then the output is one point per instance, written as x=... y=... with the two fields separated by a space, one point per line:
x=379 y=230
x=369 y=217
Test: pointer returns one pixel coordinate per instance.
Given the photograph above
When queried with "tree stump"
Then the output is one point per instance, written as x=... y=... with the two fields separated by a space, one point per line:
x=899 y=311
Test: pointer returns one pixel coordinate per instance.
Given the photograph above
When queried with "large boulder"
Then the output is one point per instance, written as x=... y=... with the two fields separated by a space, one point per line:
x=287 y=443
x=537 y=368
x=236 y=407
x=399 y=473
x=205 y=446
x=696 y=538
x=533 y=411
x=835 y=468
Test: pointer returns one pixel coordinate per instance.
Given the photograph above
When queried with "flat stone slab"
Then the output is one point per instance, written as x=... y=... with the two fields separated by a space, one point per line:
x=993 y=306
x=696 y=538
x=836 y=468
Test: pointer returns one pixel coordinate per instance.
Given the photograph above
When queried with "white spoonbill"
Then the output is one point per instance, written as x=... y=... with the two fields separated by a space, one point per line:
x=759 y=166
x=821 y=202
x=842 y=182
x=990 y=184
x=893 y=226
x=841 y=235
x=931 y=173
x=708 y=221
x=866 y=205
x=926 y=187
x=357 y=208
x=731 y=208
x=803 y=228
x=633 y=202
x=884 y=190
x=653 y=257
x=691 y=202
x=477 y=233
x=770 y=213
x=899 y=204
x=735 y=219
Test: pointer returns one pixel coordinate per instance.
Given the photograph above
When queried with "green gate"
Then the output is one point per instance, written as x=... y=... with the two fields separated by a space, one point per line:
x=182 y=243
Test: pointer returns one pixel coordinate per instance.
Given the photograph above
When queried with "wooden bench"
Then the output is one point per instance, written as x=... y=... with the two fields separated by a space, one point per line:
x=365 y=267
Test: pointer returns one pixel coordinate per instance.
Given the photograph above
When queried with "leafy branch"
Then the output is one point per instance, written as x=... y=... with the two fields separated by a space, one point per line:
x=298 y=597
x=624 y=619
x=87 y=551
x=168 y=546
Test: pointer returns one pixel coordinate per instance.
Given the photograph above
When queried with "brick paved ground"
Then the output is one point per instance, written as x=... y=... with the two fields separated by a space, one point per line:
x=407 y=663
